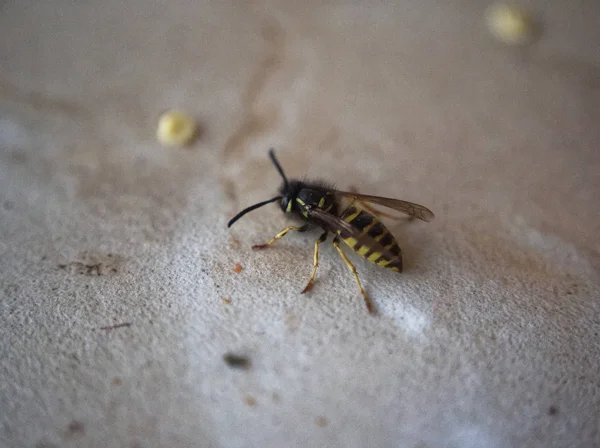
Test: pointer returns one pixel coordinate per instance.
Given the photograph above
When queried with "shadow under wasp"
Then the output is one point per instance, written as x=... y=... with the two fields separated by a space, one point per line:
x=348 y=215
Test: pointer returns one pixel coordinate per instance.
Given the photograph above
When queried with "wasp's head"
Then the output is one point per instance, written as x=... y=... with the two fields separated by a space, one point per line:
x=288 y=193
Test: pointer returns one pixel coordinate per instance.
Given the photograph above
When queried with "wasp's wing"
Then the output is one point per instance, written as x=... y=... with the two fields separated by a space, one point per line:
x=410 y=208
x=347 y=230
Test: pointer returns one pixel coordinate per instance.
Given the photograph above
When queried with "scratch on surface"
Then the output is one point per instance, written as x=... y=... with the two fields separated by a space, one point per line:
x=255 y=122
x=114 y=327
x=229 y=190
x=40 y=101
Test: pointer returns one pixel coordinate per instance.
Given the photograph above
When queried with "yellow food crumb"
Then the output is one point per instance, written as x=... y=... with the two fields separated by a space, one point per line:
x=175 y=129
x=509 y=23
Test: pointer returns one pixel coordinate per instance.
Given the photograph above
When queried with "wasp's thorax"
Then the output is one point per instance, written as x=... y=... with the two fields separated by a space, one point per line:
x=299 y=197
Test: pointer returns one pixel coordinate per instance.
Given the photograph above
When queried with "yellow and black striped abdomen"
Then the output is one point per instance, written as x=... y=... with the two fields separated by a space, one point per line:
x=370 y=229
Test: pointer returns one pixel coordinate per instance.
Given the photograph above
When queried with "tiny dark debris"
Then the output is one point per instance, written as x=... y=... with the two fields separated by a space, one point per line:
x=8 y=205
x=236 y=361
x=94 y=264
x=250 y=401
x=552 y=410
x=116 y=381
x=75 y=427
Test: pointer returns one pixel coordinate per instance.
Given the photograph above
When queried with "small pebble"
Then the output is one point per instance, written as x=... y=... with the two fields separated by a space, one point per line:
x=237 y=268
x=175 y=128
x=510 y=24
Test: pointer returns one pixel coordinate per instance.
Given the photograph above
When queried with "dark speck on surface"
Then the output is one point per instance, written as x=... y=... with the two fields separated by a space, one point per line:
x=237 y=361
x=8 y=205
x=75 y=427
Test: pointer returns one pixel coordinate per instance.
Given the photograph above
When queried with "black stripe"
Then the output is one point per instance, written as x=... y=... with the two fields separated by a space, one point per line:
x=370 y=252
x=362 y=220
x=376 y=230
x=396 y=264
x=386 y=240
x=395 y=249
x=382 y=256
x=345 y=234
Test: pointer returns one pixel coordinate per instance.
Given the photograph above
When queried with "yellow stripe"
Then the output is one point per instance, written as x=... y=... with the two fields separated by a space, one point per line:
x=374 y=256
x=322 y=202
x=351 y=241
x=363 y=250
x=366 y=229
x=383 y=263
x=300 y=201
x=349 y=219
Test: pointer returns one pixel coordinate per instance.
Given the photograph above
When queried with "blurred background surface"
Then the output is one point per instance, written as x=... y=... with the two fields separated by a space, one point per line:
x=488 y=339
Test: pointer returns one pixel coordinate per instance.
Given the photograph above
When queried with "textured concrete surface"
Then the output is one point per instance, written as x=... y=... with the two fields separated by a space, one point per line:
x=490 y=337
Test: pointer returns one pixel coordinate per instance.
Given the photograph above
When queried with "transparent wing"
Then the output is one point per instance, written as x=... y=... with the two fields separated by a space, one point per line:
x=409 y=208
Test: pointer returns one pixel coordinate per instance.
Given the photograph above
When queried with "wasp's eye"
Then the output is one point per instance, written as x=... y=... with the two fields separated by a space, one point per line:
x=286 y=205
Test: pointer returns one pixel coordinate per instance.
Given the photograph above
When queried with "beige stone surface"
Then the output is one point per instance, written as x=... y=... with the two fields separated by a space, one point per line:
x=488 y=339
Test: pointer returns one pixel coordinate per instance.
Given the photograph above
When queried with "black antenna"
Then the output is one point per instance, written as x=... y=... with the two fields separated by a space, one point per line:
x=249 y=209
x=278 y=166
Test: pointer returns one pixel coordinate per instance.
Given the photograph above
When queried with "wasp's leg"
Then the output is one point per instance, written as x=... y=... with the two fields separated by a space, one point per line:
x=336 y=243
x=280 y=235
x=309 y=285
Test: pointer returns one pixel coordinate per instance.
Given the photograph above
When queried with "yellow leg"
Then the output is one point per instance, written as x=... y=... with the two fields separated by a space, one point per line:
x=280 y=235
x=336 y=243
x=310 y=283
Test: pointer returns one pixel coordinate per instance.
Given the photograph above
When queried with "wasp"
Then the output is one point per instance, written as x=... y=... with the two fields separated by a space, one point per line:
x=348 y=215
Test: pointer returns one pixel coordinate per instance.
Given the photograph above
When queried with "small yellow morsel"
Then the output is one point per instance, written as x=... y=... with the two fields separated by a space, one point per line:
x=175 y=129
x=510 y=24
